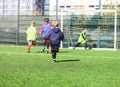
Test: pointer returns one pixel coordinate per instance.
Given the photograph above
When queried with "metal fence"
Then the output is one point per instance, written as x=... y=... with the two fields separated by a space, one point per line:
x=13 y=31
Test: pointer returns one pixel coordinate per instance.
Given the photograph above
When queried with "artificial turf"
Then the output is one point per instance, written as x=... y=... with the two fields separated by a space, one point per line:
x=74 y=68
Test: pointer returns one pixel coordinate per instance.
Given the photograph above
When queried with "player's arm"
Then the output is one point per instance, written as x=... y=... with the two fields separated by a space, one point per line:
x=61 y=35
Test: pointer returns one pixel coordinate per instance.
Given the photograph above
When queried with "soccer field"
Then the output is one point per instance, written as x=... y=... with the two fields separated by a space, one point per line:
x=74 y=68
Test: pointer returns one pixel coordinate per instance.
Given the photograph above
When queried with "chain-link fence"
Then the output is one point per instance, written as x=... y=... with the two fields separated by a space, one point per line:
x=100 y=26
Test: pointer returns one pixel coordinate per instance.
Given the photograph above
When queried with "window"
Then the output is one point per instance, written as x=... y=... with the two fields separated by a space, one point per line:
x=68 y=7
x=91 y=6
x=62 y=8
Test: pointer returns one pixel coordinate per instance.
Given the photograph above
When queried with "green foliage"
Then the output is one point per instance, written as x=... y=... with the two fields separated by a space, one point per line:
x=75 y=68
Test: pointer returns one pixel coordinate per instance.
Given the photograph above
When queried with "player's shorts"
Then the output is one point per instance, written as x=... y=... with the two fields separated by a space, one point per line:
x=32 y=42
x=46 y=40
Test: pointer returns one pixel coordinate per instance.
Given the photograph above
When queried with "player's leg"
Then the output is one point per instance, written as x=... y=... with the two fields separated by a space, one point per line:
x=47 y=45
x=53 y=53
x=29 y=46
x=76 y=45
x=44 y=44
x=85 y=45
x=54 y=56
x=49 y=48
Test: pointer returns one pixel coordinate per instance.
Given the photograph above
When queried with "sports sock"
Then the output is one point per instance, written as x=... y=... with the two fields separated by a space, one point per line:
x=29 y=46
x=43 y=48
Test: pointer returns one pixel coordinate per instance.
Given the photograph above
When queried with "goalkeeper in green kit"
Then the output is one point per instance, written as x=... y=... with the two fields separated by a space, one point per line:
x=82 y=39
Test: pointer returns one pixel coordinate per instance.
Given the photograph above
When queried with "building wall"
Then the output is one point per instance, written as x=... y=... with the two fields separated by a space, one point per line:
x=74 y=5
x=10 y=7
x=46 y=7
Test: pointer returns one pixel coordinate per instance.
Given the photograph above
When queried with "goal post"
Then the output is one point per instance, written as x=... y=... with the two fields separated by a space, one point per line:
x=106 y=20
x=61 y=17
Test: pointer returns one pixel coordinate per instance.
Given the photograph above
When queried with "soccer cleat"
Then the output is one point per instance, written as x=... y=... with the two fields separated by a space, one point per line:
x=28 y=51
x=73 y=48
x=54 y=60
x=43 y=49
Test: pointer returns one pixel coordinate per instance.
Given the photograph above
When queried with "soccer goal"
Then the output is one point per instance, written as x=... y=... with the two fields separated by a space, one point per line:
x=102 y=28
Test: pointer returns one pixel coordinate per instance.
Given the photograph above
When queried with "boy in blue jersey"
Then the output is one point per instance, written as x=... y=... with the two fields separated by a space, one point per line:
x=44 y=29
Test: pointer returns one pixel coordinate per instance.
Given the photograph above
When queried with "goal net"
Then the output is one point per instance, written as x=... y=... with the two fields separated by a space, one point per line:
x=103 y=27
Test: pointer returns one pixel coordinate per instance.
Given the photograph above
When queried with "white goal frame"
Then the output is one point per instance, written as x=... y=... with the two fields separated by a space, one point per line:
x=62 y=13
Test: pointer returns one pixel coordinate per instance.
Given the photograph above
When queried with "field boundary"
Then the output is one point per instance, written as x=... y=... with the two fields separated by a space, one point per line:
x=82 y=48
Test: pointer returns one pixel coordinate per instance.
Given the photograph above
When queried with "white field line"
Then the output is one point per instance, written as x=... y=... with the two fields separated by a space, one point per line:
x=7 y=45
x=72 y=56
x=70 y=48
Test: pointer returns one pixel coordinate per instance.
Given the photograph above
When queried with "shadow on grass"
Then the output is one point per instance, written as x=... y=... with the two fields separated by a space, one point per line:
x=76 y=60
x=39 y=52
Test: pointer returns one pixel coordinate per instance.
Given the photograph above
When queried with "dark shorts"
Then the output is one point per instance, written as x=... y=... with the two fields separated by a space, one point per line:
x=32 y=42
x=55 y=48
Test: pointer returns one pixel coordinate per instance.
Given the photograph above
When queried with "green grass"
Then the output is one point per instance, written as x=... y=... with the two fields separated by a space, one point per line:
x=75 y=68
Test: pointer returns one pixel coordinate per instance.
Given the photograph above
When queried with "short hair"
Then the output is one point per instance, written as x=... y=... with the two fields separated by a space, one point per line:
x=33 y=22
x=46 y=19
x=55 y=23
x=85 y=27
